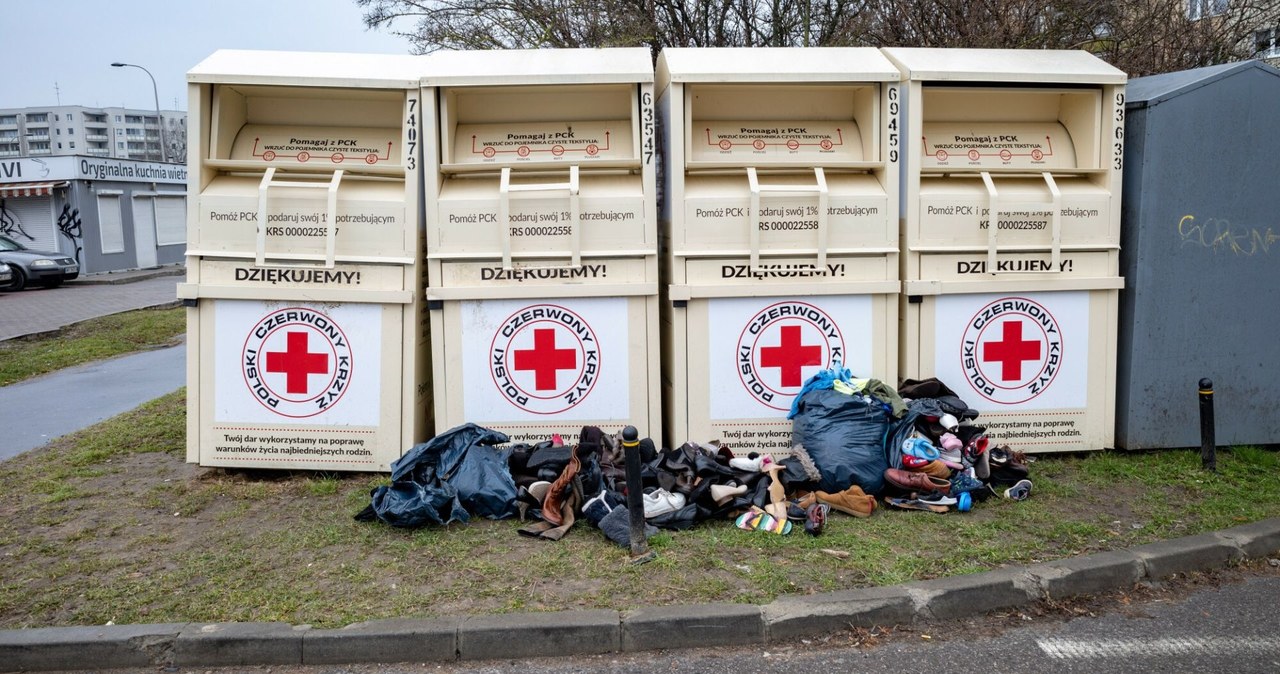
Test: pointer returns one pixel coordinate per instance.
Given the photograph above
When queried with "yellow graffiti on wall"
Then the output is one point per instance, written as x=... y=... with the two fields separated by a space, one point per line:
x=1220 y=235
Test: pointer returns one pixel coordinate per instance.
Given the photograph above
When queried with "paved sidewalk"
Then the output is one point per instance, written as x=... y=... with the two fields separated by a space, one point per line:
x=38 y=310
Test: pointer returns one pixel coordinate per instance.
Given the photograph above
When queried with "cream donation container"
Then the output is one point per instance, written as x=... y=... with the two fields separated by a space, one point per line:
x=307 y=340
x=542 y=240
x=1012 y=236
x=780 y=226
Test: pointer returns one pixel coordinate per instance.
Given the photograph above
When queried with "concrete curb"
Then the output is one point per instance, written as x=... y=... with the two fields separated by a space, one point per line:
x=131 y=276
x=532 y=635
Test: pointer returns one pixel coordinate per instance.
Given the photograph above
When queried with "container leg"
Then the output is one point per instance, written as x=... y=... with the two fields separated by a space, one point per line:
x=1208 y=447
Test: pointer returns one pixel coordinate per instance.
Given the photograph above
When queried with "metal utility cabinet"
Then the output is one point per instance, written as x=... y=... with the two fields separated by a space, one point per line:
x=1012 y=235
x=307 y=342
x=1201 y=245
x=542 y=240
x=780 y=226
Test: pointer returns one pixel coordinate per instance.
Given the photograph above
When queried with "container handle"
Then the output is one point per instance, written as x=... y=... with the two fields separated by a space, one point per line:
x=505 y=188
x=753 y=221
x=1053 y=206
x=331 y=213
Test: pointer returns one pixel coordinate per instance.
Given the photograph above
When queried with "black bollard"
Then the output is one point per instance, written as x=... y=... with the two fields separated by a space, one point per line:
x=1208 y=455
x=635 y=495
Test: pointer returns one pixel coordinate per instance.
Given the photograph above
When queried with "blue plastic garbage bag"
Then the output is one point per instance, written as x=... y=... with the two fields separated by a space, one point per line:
x=447 y=479
x=845 y=436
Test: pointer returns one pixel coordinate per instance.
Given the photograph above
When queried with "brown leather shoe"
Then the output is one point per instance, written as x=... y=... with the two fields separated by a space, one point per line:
x=937 y=469
x=852 y=501
x=918 y=482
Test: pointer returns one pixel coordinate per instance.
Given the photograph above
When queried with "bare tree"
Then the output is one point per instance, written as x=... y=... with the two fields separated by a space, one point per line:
x=1138 y=36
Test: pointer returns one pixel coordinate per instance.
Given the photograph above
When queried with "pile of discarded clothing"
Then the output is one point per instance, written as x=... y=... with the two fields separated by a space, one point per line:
x=854 y=440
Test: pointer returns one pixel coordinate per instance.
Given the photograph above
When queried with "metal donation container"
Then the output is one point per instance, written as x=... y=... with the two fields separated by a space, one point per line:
x=1201 y=245
x=780 y=226
x=541 y=240
x=1019 y=316
x=306 y=340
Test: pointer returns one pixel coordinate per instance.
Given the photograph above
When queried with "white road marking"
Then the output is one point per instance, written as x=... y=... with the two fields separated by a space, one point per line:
x=1126 y=648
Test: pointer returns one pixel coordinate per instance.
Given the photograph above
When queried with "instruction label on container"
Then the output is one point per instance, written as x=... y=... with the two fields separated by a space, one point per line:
x=743 y=437
x=997 y=145
x=756 y=142
x=302 y=225
x=266 y=446
x=789 y=221
x=539 y=361
x=1015 y=352
x=543 y=224
x=1049 y=429
x=318 y=145
x=568 y=142
x=762 y=350
x=315 y=364
x=949 y=216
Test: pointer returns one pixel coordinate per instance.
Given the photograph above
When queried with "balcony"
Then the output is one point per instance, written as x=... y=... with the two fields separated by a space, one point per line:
x=35 y=136
x=98 y=151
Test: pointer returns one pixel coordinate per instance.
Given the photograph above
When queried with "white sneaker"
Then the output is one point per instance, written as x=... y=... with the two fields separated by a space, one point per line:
x=661 y=502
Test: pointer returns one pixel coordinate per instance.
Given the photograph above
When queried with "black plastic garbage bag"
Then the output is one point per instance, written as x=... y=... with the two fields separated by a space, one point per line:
x=845 y=436
x=412 y=504
x=445 y=479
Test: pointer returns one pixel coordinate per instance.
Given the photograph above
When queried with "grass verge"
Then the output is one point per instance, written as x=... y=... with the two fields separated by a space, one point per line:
x=110 y=524
x=91 y=340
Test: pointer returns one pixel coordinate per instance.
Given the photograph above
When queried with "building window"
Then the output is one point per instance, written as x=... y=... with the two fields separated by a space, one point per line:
x=72 y=144
x=117 y=118
x=110 y=226
x=59 y=146
x=120 y=145
x=37 y=117
x=71 y=131
x=1199 y=9
x=8 y=119
x=68 y=117
x=171 y=220
x=119 y=132
x=57 y=132
x=1266 y=43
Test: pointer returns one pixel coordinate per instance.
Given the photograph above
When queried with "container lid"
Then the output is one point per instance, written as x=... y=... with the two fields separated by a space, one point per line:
x=310 y=69
x=775 y=64
x=538 y=66
x=1147 y=91
x=1043 y=66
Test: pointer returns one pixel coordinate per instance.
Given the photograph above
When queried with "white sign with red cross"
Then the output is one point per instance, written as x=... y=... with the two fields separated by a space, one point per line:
x=297 y=363
x=526 y=360
x=1027 y=351
x=762 y=350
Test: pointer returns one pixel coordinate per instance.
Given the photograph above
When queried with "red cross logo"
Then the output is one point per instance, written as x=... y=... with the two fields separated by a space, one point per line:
x=296 y=362
x=790 y=355
x=545 y=359
x=1011 y=351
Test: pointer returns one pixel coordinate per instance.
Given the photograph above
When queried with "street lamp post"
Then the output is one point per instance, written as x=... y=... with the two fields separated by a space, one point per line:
x=164 y=147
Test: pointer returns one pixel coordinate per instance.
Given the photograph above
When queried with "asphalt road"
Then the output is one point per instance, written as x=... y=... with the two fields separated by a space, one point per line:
x=1214 y=627
x=35 y=411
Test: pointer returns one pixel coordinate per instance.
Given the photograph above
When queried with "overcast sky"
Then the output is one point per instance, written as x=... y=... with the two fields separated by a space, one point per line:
x=73 y=42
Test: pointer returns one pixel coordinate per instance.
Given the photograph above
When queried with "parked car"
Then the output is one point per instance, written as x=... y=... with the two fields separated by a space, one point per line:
x=46 y=268
x=6 y=275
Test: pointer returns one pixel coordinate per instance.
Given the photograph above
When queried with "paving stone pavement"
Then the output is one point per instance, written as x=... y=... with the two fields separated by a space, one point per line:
x=38 y=310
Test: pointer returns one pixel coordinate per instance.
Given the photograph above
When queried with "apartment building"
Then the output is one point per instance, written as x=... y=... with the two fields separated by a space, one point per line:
x=118 y=133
